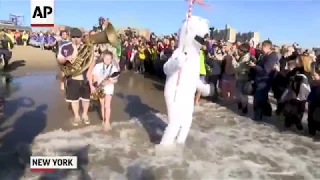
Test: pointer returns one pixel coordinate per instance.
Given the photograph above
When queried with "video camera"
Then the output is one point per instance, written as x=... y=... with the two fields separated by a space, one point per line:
x=130 y=33
x=211 y=32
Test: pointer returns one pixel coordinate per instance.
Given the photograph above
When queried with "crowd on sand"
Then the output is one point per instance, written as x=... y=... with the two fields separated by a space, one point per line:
x=236 y=70
x=18 y=37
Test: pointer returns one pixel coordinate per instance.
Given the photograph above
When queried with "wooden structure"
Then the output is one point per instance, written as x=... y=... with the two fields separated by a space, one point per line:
x=11 y=26
x=18 y=20
x=58 y=28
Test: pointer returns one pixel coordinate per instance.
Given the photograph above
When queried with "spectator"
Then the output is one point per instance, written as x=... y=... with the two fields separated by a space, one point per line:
x=141 y=57
x=242 y=76
x=263 y=77
x=214 y=71
x=203 y=72
x=228 y=73
x=252 y=48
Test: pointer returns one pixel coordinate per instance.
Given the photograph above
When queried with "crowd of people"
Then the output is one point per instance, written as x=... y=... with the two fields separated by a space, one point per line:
x=8 y=39
x=236 y=70
x=44 y=40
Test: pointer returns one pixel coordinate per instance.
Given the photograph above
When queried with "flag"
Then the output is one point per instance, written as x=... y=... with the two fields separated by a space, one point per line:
x=200 y=2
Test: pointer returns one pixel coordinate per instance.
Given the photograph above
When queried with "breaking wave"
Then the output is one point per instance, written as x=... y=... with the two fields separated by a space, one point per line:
x=221 y=145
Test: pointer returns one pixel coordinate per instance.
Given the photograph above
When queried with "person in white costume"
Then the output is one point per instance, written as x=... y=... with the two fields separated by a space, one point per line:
x=180 y=97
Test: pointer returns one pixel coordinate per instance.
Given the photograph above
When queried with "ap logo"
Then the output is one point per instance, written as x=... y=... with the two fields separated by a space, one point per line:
x=42 y=13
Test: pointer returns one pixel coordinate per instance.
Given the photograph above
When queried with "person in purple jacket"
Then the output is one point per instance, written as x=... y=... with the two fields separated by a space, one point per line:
x=37 y=40
x=41 y=40
x=46 y=41
x=50 y=41
x=33 y=39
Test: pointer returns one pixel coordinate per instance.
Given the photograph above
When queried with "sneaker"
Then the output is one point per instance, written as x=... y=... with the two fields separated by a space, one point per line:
x=76 y=121
x=86 y=120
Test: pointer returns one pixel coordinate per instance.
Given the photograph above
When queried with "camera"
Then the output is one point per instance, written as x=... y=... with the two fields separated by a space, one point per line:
x=211 y=32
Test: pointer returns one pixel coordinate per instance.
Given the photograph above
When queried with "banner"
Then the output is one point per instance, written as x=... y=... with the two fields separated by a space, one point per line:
x=49 y=164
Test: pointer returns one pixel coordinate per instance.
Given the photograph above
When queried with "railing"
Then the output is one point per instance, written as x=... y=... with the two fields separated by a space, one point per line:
x=7 y=23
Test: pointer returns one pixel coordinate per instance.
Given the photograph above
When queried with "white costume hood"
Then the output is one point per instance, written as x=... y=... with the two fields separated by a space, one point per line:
x=187 y=57
x=190 y=48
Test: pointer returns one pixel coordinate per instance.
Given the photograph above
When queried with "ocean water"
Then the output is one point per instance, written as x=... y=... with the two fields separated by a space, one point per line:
x=221 y=145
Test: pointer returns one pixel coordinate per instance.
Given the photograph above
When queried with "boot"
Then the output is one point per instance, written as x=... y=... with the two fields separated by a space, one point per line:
x=299 y=126
x=244 y=110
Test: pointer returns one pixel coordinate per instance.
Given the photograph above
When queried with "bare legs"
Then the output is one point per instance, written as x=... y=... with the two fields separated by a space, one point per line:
x=62 y=79
x=197 y=98
x=85 y=109
x=75 y=109
x=106 y=111
x=228 y=89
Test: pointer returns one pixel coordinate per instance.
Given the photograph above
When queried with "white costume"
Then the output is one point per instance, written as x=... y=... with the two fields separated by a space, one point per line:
x=304 y=90
x=101 y=71
x=180 y=98
x=205 y=89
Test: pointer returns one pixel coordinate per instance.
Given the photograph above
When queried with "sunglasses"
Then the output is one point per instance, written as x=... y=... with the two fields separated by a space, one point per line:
x=76 y=37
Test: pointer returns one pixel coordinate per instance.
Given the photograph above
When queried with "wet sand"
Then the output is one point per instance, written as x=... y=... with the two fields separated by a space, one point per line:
x=35 y=85
x=221 y=144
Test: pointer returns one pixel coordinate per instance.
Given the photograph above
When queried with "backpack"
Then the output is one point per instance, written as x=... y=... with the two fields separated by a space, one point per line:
x=4 y=42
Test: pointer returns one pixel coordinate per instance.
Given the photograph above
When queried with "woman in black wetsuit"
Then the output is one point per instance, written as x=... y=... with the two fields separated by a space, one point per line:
x=292 y=103
x=303 y=67
x=282 y=80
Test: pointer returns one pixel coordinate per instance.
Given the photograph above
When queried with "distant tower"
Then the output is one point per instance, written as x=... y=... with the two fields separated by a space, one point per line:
x=17 y=19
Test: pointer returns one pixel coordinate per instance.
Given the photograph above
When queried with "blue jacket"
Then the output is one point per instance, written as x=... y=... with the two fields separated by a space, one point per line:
x=314 y=96
x=264 y=68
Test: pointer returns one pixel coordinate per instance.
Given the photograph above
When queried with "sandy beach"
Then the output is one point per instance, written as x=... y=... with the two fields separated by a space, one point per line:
x=26 y=59
x=221 y=144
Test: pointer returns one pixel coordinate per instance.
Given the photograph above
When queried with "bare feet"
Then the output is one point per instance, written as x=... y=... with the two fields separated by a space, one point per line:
x=76 y=121
x=86 y=119
x=106 y=127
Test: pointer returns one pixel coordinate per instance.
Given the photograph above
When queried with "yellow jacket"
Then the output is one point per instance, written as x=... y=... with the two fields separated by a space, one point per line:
x=141 y=54
x=203 y=71
x=11 y=36
x=153 y=53
x=25 y=36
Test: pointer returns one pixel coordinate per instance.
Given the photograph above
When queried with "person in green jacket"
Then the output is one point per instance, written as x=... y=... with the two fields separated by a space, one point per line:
x=203 y=73
x=242 y=69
